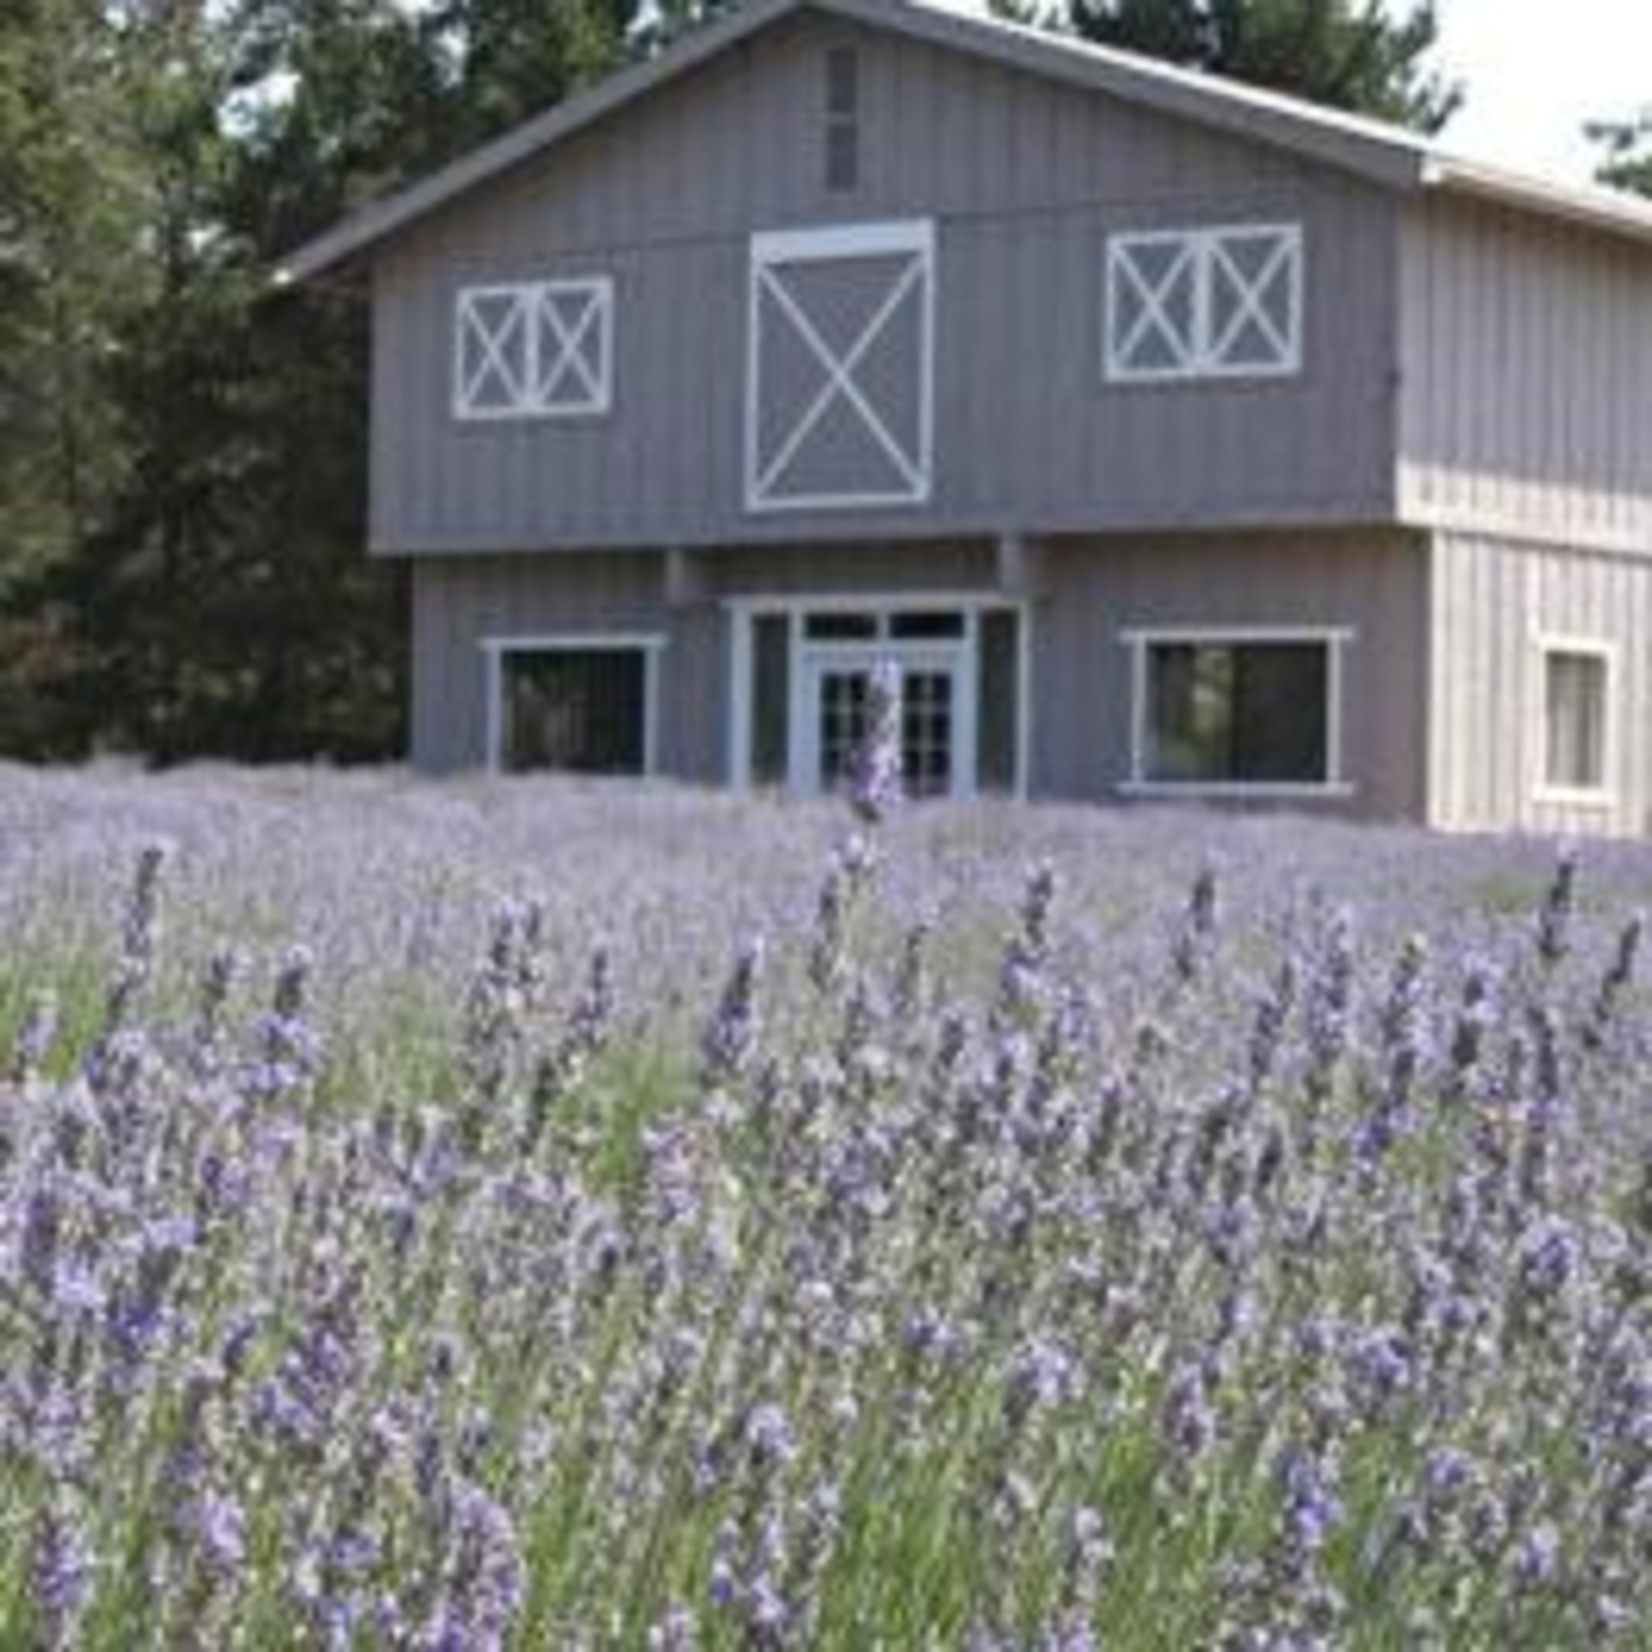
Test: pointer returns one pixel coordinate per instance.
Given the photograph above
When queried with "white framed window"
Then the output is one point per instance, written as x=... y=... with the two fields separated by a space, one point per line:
x=534 y=350
x=1241 y=711
x=840 y=367
x=573 y=703
x=1576 y=744
x=1223 y=302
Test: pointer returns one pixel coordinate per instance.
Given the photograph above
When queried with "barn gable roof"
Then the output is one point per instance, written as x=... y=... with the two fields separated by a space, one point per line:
x=1381 y=153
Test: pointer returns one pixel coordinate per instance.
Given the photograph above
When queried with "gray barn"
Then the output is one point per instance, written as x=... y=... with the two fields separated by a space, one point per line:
x=1174 y=439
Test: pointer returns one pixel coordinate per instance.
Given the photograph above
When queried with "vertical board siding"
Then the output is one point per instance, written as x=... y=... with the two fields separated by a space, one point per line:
x=1492 y=602
x=1372 y=583
x=1096 y=589
x=1526 y=377
x=1024 y=178
x=456 y=605
x=459 y=602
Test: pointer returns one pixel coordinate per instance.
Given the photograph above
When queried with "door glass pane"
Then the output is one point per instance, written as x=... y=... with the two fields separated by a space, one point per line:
x=926 y=733
x=843 y=703
x=998 y=715
x=920 y=623
x=582 y=711
x=770 y=698
x=840 y=627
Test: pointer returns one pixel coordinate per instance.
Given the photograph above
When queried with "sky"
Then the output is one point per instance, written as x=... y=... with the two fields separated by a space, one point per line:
x=1534 y=72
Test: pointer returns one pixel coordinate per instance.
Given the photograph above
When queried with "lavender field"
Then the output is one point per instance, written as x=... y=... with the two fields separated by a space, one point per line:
x=536 y=1215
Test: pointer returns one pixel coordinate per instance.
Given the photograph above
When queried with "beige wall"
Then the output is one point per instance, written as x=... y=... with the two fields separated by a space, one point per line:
x=1493 y=601
x=1525 y=378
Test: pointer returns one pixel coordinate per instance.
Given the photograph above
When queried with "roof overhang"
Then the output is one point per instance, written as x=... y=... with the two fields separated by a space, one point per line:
x=1611 y=211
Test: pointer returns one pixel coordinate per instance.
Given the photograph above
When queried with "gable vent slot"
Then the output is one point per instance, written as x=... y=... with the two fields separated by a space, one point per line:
x=842 y=119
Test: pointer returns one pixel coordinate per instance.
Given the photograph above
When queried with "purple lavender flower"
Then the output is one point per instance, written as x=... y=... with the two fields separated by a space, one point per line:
x=876 y=766
x=62 y=1571
x=730 y=1039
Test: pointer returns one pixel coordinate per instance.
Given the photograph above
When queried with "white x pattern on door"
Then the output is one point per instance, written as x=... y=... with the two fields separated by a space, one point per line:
x=904 y=252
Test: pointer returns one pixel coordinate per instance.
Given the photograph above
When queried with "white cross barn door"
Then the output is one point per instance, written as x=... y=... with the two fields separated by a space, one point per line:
x=535 y=349
x=1205 y=303
x=840 y=367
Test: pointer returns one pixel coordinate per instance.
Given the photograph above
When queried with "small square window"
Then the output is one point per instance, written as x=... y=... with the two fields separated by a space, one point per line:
x=1575 y=703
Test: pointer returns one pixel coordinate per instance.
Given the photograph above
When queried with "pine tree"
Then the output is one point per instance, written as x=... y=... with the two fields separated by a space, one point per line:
x=1350 y=54
x=1627 y=152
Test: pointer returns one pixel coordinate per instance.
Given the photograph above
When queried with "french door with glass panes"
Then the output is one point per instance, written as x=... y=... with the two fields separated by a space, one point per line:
x=935 y=716
x=800 y=673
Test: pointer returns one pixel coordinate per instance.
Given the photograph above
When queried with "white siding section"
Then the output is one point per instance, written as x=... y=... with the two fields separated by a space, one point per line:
x=1525 y=392
x=1495 y=604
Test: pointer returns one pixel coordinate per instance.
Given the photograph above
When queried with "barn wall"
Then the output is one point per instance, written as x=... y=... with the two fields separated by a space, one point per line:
x=1024 y=178
x=1373 y=584
x=1088 y=592
x=1493 y=600
x=1526 y=378
x=461 y=602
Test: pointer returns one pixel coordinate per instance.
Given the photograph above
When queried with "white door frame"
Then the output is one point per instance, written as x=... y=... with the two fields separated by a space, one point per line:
x=744 y=611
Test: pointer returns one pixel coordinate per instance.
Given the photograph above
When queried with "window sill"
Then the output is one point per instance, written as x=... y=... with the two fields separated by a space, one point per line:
x=488 y=416
x=1563 y=797
x=1238 y=790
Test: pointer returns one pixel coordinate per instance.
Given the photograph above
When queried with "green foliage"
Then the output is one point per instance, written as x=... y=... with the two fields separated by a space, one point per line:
x=182 y=451
x=68 y=194
x=1626 y=161
x=1350 y=54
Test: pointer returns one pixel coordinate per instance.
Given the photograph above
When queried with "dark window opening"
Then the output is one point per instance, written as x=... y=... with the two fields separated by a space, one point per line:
x=921 y=623
x=1235 y=713
x=998 y=713
x=771 y=679
x=575 y=710
x=847 y=627
x=842 y=119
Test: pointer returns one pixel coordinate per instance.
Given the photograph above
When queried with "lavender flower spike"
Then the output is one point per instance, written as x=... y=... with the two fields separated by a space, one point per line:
x=875 y=775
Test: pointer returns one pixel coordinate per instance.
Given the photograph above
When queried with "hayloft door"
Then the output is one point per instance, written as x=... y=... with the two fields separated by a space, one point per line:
x=840 y=368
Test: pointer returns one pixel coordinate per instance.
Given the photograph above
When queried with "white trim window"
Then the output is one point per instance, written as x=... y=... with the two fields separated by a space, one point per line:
x=840 y=367
x=573 y=704
x=1577 y=729
x=1203 y=303
x=534 y=350
x=1242 y=712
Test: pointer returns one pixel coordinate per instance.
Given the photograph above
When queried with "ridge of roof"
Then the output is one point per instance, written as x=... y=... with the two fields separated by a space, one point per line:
x=1375 y=150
